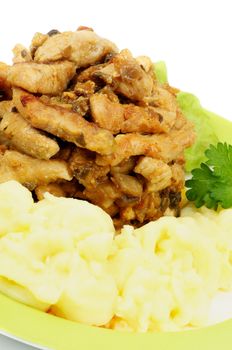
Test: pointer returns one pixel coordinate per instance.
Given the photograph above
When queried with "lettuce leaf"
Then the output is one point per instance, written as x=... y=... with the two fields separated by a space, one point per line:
x=161 y=72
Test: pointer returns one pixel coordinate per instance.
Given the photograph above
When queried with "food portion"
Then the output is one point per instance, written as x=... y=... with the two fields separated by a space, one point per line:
x=96 y=117
x=83 y=120
x=61 y=255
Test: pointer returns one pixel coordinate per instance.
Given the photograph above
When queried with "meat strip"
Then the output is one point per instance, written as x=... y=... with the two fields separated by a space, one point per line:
x=157 y=173
x=25 y=138
x=162 y=98
x=82 y=47
x=160 y=146
x=30 y=171
x=128 y=184
x=67 y=125
x=49 y=79
x=126 y=118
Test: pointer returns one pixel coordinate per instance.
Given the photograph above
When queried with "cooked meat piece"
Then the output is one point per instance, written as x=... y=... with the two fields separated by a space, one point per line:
x=126 y=76
x=172 y=145
x=67 y=125
x=5 y=106
x=85 y=89
x=25 y=138
x=125 y=118
x=4 y=142
x=106 y=114
x=147 y=120
x=49 y=79
x=89 y=73
x=160 y=146
x=125 y=167
x=81 y=105
x=68 y=96
x=142 y=210
x=131 y=144
x=126 y=201
x=37 y=40
x=31 y=172
x=162 y=98
x=82 y=47
x=149 y=208
x=146 y=63
x=127 y=215
x=106 y=90
x=178 y=177
x=180 y=121
x=157 y=173
x=128 y=184
x=86 y=171
x=21 y=54
x=103 y=195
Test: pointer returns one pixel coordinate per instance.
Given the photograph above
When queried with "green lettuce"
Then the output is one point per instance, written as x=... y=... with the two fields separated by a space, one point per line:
x=201 y=118
x=205 y=134
x=161 y=72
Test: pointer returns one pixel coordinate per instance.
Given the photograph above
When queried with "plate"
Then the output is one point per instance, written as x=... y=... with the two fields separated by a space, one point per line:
x=50 y=332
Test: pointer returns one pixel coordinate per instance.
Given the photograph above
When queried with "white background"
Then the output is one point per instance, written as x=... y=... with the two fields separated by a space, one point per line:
x=193 y=37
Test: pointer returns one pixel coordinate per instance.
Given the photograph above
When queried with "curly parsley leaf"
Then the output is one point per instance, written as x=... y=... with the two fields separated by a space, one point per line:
x=211 y=184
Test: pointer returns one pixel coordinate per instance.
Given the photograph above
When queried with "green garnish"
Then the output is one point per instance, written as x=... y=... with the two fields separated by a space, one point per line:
x=211 y=184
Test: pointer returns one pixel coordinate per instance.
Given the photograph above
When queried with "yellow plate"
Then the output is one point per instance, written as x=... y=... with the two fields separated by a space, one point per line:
x=48 y=331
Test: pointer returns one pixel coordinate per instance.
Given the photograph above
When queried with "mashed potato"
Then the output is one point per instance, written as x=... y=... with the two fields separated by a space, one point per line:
x=62 y=255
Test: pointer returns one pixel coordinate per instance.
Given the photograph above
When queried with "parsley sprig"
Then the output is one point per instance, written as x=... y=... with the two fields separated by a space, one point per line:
x=211 y=184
